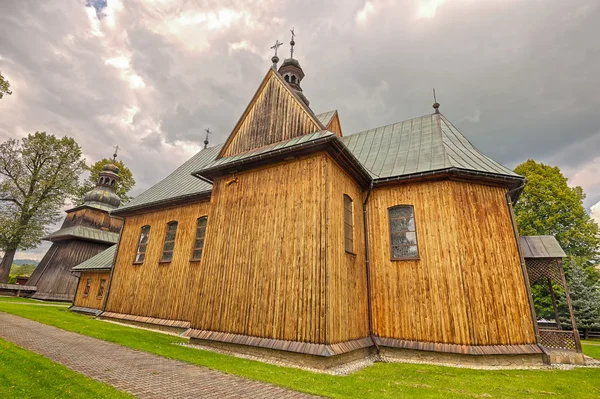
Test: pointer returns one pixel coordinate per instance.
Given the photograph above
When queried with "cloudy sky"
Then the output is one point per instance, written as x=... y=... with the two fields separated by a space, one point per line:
x=519 y=78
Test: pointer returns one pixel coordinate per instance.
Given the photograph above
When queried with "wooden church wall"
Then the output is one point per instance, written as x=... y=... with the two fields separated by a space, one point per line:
x=92 y=300
x=263 y=269
x=93 y=218
x=155 y=289
x=347 y=314
x=467 y=287
x=273 y=115
x=53 y=277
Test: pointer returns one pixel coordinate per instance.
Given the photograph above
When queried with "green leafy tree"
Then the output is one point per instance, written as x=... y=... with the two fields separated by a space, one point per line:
x=37 y=175
x=585 y=296
x=548 y=206
x=4 y=86
x=124 y=185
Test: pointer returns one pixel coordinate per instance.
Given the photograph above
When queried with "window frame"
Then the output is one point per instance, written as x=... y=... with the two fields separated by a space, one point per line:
x=351 y=251
x=101 y=288
x=137 y=252
x=194 y=247
x=88 y=287
x=172 y=251
x=416 y=244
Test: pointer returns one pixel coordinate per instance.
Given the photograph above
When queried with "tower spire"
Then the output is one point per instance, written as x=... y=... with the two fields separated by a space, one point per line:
x=292 y=43
x=207 y=130
x=117 y=148
x=275 y=59
x=436 y=105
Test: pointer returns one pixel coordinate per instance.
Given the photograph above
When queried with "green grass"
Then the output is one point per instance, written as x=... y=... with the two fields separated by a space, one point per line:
x=24 y=374
x=591 y=347
x=382 y=380
x=29 y=300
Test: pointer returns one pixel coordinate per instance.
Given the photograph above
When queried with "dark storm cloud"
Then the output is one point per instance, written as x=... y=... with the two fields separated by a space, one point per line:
x=519 y=78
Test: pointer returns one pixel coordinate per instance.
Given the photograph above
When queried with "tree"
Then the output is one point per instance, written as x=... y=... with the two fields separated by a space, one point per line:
x=548 y=206
x=37 y=175
x=124 y=185
x=4 y=86
x=585 y=297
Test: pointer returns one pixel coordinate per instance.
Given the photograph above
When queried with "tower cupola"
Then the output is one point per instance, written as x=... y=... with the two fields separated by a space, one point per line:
x=104 y=194
x=292 y=72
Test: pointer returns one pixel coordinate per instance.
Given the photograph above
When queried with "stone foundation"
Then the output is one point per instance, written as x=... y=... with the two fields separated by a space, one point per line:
x=149 y=326
x=291 y=358
x=566 y=357
x=518 y=360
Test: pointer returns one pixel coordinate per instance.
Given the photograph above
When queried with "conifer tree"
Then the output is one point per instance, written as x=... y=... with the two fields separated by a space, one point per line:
x=585 y=297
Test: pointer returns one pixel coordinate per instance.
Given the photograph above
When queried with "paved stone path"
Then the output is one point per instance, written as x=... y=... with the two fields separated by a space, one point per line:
x=142 y=374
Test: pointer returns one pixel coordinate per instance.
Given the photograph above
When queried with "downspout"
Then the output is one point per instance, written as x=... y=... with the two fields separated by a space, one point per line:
x=509 y=203
x=368 y=266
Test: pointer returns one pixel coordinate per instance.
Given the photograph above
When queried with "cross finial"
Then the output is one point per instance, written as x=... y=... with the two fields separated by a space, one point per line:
x=275 y=59
x=436 y=105
x=207 y=130
x=117 y=148
x=292 y=43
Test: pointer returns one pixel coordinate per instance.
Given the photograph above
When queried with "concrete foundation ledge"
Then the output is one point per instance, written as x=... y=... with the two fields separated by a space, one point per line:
x=88 y=311
x=566 y=357
x=152 y=323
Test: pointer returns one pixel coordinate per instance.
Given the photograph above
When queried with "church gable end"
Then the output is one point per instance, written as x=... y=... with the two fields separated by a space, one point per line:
x=275 y=114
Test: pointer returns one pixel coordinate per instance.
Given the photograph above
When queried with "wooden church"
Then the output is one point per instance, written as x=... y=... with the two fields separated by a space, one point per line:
x=87 y=230
x=297 y=238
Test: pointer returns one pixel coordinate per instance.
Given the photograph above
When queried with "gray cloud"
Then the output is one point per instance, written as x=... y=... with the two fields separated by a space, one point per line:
x=518 y=78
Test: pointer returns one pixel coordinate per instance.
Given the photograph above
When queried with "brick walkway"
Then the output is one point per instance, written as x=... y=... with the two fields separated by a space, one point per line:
x=139 y=373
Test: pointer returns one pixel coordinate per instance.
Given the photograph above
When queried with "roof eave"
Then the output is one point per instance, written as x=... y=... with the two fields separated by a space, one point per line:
x=167 y=202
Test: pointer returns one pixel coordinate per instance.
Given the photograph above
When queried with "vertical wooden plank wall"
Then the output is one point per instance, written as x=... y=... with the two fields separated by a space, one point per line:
x=334 y=125
x=467 y=287
x=155 y=289
x=263 y=269
x=273 y=115
x=92 y=301
x=347 y=314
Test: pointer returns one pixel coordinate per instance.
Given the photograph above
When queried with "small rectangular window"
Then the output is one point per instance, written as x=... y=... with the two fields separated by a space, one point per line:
x=403 y=232
x=101 y=288
x=169 y=245
x=199 y=240
x=348 y=224
x=142 y=244
x=88 y=286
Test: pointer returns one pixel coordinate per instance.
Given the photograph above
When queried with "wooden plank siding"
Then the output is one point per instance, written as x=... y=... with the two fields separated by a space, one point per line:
x=467 y=288
x=53 y=277
x=347 y=313
x=263 y=269
x=91 y=301
x=154 y=289
x=334 y=125
x=91 y=217
x=273 y=115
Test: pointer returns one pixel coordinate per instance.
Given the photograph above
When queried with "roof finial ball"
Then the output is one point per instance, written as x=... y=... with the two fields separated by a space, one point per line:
x=436 y=105
x=275 y=59
x=292 y=43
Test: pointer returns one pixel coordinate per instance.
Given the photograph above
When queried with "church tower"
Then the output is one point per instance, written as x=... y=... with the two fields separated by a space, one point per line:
x=87 y=230
x=292 y=72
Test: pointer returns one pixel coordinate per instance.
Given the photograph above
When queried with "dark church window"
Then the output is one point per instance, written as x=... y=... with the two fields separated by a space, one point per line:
x=403 y=232
x=287 y=78
x=142 y=244
x=169 y=245
x=293 y=79
x=199 y=241
x=101 y=288
x=88 y=286
x=348 y=225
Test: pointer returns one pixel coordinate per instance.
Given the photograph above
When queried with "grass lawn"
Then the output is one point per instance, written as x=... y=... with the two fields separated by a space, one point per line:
x=29 y=300
x=24 y=374
x=382 y=380
x=591 y=347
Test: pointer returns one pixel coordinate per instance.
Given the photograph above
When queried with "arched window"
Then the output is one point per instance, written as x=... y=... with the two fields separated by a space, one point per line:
x=348 y=224
x=199 y=241
x=101 y=180
x=142 y=244
x=293 y=79
x=403 y=232
x=169 y=245
x=101 y=288
x=287 y=78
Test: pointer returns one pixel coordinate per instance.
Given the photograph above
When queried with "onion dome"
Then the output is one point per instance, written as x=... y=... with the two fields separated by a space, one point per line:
x=104 y=194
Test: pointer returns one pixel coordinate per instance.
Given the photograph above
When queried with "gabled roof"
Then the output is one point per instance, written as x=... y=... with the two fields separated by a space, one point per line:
x=178 y=184
x=325 y=117
x=541 y=247
x=104 y=260
x=424 y=144
x=83 y=233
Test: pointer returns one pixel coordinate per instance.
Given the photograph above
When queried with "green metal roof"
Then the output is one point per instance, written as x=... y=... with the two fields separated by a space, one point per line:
x=178 y=184
x=84 y=233
x=325 y=117
x=104 y=260
x=541 y=247
x=424 y=144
